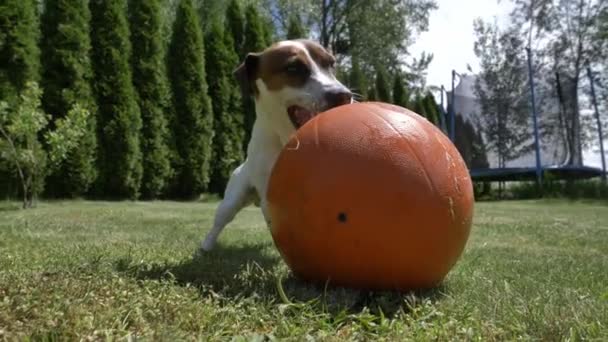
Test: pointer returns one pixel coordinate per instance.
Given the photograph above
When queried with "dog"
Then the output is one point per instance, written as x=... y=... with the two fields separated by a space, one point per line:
x=291 y=81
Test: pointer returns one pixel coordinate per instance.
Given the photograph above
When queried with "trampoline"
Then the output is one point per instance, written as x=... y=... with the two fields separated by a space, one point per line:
x=548 y=153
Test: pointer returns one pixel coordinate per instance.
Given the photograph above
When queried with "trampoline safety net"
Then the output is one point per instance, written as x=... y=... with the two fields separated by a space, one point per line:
x=486 y=163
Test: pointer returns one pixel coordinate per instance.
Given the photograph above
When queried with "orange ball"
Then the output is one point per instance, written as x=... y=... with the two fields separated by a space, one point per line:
x=370 y=195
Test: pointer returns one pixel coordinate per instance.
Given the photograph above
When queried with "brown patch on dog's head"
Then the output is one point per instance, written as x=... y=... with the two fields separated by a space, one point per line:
x=319 y=54
x=282 y=65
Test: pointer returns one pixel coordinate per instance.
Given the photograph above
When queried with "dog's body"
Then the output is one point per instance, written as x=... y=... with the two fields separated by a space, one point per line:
x=291 y=81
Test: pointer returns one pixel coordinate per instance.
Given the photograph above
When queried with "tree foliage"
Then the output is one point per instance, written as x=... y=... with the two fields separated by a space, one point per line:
x=151 y=84
x=295 y=27
x=66 y=80
x=564 y=36
x=255 y=41
x=418 y=106
x=501 y=89
x=157 y=79
x=371 y=93
x=268 y=30
x=193 y=122
x=19 y=50
x=356 y=80
x=400 y=94
x=227 y=116
x=20 y=128
x=383 y=91
x=19 y=59
x=351 y=28
x=431 y=109
x=235 y=25
x=208 y=11
x=379 y=32
x=119 y=121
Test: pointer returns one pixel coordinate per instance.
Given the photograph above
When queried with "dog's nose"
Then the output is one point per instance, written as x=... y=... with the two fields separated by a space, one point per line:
x=336 y=98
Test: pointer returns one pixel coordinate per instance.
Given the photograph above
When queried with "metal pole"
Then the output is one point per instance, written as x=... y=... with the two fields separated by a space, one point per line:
x=539 y=174
x=452 y=110
x=599 y=123
x=442 y=114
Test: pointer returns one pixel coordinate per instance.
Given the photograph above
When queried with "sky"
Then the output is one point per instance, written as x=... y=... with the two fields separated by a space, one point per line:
x=451 y=37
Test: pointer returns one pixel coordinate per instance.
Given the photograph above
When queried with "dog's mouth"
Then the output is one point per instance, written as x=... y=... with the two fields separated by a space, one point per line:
x=299 y=115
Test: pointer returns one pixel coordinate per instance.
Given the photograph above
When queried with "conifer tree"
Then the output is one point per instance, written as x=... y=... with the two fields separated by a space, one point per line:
x=418 y=107
x=193 y=122
x=356 y=79
x=254 y=42
x=227 y=123
x=66 y=80
x=19 y=60
x=152 y=87
x=118 y=116
x=400 y=96
x=254 y=35
x=371 y=94
x=268 y=30
x=382 y=86
x=19 y=51
x=295 y=27
x=431 y=109
x=235 y=26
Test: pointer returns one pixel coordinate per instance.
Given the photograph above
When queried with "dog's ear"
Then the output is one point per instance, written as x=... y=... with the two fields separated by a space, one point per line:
x=246 y=74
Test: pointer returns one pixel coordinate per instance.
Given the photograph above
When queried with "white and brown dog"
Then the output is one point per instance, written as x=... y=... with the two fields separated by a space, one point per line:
x=291 y=81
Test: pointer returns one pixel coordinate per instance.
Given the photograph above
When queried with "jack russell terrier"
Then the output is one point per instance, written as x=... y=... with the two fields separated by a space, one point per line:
x=291 y=81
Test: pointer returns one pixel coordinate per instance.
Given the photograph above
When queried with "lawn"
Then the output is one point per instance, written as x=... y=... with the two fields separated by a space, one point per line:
x=102 y=270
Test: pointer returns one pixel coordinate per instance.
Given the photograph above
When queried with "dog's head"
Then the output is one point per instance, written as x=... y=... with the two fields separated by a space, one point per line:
x=291 y=82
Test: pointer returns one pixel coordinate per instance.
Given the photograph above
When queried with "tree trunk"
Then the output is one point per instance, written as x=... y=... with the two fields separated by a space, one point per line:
x=569 y=87
x=20 y=171
x=563 y=127
x=324 y=28
x=578 y=145
x=572 y=114
x=28 y=192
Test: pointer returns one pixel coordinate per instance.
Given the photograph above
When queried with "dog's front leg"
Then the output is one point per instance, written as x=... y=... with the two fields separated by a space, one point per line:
x=238 y=194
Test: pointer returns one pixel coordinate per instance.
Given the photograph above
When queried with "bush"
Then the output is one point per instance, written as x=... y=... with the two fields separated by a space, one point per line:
x=552 y=188
x=577 y=189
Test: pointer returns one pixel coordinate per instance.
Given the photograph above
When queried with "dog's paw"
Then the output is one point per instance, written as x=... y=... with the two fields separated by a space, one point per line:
x=206 y=246
x=200 y=252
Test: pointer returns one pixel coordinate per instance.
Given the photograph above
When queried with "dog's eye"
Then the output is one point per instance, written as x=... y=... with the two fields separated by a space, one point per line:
x=296 y=68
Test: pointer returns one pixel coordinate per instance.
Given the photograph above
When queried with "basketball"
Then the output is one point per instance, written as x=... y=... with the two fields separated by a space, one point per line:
x=372 y=196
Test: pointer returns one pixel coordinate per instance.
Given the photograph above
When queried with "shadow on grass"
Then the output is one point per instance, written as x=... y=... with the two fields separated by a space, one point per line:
x=224 y=269
x=338 y=301
x=248 y=273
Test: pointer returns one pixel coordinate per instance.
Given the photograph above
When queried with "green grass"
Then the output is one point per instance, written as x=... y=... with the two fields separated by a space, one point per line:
x=534 y=270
